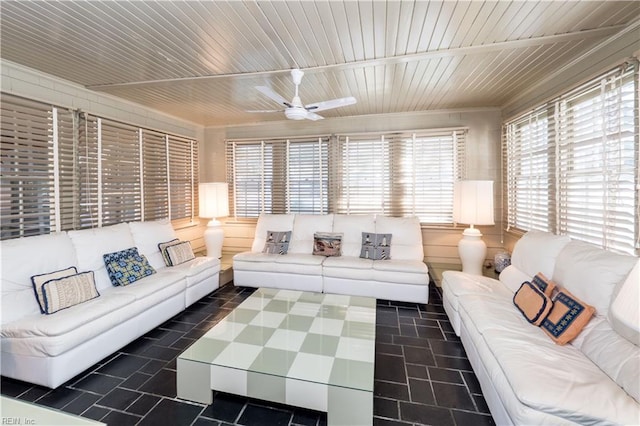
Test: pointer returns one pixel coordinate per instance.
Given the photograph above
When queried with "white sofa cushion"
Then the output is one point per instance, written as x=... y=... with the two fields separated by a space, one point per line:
x=512 y=277
x=351 y=227
x=624 y=312
x=147 y=236
x=304 y=226
x=270 y=222
x=537 y=252
x=21 y=259
x=198 y=269
x=52 y=335
x=406 y=240
x=616 y=356
x=591 y=273
x=92 y=244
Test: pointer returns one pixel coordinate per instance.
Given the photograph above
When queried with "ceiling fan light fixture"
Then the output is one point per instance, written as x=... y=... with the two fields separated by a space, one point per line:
x=295 y=113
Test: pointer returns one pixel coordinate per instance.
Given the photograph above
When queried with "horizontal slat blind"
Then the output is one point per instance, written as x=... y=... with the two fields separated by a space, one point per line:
x=307 y=176
x=572 y=164
x=278 y=176
x=155 y=177
x=27 y=174
x=530 y=172
x=182 y=179
x=597 y=159
x=402 y=174
x=121 y=186
x=63 y=170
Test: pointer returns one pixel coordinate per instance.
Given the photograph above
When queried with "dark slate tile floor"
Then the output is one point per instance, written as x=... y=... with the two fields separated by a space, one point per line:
x=422 y=375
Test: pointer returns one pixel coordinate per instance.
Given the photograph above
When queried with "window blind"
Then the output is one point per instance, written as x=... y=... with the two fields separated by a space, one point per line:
x=398 y=174
x=530 y=172
x=27 y=172
x=66 y=170
x=572 y=164
x=278 y=176
x=597 y=160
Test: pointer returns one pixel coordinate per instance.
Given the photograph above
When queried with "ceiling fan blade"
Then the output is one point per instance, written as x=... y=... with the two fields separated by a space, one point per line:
x=267 y=91
x=334 y=103
x=313 y=116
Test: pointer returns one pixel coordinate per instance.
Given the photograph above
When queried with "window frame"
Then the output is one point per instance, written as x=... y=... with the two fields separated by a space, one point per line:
x=591 y=124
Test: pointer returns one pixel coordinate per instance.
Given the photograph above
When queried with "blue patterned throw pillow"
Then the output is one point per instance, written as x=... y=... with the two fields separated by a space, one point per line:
x=127 y=266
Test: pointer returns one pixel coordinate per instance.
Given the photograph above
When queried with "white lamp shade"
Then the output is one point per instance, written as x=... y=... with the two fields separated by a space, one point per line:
x=473 y=202
x=214 y=199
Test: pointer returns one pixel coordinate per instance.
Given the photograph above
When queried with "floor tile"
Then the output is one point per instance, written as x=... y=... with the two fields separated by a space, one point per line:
x=120 y=419
x=96 y=413
x=225 y=407
x=425 y=414
x=464 y=418
x=119 y=399
x=391 y=390
x=453 y=396
x=384 y=407
x=257 y=415
x=82 y=403
x=124 y=365
x=59 y=397
x=163 y=383
x=440 y=347
x=420 y=391
x=444 y=375
x=472 y=382
x=390 y=368
x=135 y=381
x=143 y=405
x=169 y=412
x=417 y=371
x=454 y=363
x=98 y=383
x=415 y=355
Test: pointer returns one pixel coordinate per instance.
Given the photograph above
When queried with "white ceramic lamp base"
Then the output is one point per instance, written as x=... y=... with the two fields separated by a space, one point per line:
x=472 y=251
x=213 y=238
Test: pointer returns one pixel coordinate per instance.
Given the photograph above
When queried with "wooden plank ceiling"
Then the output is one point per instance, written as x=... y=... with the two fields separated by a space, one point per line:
x=201 y=60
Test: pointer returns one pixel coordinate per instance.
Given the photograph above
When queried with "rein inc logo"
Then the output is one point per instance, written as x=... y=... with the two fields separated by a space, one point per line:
x=17 y=421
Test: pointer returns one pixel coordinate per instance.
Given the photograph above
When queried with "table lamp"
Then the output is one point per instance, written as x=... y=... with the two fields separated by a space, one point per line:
x=473 y=205
x=214 y=203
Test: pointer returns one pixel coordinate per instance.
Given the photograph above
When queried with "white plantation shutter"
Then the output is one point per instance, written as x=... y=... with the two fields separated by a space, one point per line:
x=530 y=172
x=597 y=160
x=572 y=164
x=65 y=170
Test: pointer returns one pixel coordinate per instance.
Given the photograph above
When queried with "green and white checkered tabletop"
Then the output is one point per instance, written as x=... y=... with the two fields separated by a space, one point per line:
x=298 y=348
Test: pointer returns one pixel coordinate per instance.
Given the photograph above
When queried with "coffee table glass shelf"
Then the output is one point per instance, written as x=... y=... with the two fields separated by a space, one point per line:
x=303 y=349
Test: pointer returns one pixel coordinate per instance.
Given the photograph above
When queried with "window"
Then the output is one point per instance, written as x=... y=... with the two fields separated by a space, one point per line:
x=396 y=174
x=278 y=176
x=68 y=170
x=585 y=143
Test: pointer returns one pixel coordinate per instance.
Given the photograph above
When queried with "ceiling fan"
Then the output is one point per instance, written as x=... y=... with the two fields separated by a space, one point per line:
x=295 y=110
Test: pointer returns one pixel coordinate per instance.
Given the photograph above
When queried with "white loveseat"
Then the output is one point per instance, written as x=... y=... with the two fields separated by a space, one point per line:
x=526 y=378
x=403 y=277
x=50 y=349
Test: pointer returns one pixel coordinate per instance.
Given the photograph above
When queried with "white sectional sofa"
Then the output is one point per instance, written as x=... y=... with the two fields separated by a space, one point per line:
x=403 y=277
x=51 y=349
x=527 y=378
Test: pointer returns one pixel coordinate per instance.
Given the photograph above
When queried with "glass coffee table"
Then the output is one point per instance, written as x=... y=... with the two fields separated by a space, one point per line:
x=304 y=349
